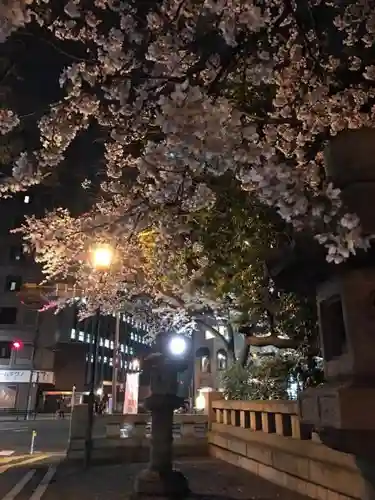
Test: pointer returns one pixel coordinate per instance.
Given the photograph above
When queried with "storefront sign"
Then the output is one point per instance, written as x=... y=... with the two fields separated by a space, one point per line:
x=131 y=393
x=43 y=377
x=23 y=377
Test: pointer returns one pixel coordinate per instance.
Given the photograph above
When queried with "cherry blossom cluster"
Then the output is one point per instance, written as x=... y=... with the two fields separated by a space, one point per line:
x=185 y=92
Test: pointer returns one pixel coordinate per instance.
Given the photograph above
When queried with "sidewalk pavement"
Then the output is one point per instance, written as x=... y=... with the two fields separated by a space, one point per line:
x=209 y=479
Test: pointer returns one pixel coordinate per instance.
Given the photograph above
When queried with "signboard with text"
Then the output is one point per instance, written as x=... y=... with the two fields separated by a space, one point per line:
x=131 y=393
x=23 y=377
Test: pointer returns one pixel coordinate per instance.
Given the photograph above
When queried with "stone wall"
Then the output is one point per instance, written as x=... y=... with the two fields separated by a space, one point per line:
x=126 y=438
x=267 y=439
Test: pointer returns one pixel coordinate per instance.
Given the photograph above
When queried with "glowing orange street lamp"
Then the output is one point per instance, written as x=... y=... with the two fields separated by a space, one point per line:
x=102 y=257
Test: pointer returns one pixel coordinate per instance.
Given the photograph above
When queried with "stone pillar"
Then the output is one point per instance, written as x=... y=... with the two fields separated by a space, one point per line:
x=161 y=438
x=210 y=397
x=160 y=479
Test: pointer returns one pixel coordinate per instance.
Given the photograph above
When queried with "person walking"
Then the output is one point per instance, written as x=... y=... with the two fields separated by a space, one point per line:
x=60 y=408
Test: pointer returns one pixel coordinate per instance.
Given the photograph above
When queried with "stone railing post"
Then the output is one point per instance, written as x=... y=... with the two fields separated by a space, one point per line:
x=255 y=421
x=299 y=431
x=268 y=422
x=210 y=398
x=283 y=424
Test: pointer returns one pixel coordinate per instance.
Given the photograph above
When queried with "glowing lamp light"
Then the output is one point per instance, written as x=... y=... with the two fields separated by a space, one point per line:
x=177 y=345
x=16 y=345
x=200 y=402
x=102 y=257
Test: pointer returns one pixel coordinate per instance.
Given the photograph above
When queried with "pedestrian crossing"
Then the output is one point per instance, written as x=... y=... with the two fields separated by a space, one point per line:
x=19 y=481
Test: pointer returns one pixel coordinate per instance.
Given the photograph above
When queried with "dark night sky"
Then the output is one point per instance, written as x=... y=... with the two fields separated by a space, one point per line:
x=32 y=85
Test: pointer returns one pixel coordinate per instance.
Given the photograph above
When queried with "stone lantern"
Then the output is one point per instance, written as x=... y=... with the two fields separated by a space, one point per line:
x=342 y=410
x=160 y=478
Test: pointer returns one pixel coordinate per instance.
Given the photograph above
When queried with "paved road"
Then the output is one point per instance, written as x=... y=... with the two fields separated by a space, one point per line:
x=51 y=436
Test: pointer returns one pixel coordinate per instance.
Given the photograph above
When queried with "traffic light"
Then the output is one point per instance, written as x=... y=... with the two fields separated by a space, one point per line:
x=17 y=345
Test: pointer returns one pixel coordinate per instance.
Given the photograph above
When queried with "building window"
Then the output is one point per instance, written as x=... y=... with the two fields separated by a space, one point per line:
x=72 y=334
x=81 y=336
x=5 y=350
x=16 y=253
x=106 y=343
x=8 y=315
x=223 y=330
x=13 y=283
x=26 y=198
x=205 y=364
x=222 y=360
x=208 y=335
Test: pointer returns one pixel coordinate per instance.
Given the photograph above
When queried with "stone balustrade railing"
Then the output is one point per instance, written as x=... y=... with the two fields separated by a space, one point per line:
x=279 y=417
x=123 y=426
x=267 y=439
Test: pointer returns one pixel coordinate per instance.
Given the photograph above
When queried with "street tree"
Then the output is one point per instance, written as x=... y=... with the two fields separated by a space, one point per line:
x=188 y=90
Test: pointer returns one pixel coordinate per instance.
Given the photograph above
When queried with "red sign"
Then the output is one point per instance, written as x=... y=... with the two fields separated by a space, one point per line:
x=131 y=393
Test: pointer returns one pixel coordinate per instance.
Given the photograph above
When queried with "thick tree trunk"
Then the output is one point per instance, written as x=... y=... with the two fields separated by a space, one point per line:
x=244 y=354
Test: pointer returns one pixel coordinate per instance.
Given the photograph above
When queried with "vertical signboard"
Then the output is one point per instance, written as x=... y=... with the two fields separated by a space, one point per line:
x=131 y=393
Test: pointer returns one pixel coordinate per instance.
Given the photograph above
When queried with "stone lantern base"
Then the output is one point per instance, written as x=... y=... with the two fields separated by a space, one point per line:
x=171 y=484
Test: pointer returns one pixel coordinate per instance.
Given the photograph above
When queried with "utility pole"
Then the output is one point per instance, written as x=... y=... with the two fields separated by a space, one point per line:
x=115 y=362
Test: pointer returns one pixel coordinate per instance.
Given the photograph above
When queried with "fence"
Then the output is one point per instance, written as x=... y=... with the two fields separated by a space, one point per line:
x=267 y=439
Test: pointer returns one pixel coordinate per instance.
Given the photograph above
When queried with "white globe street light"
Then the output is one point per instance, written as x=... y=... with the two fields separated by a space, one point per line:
x=177 y=345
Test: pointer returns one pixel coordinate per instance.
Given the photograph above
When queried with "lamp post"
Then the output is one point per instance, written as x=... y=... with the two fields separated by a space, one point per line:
x=160 y=479
x=115 y=362
x=101 y=259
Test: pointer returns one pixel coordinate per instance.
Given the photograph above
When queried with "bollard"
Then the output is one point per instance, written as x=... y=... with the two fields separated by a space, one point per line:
x=33 y=436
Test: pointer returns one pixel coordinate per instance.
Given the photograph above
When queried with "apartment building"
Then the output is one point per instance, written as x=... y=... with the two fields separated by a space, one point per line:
x=27 y=337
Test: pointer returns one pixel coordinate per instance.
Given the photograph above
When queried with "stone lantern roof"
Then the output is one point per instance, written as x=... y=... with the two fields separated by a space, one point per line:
x=300 y=267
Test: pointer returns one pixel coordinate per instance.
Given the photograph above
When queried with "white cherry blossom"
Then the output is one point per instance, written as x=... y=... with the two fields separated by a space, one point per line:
x=185 y=93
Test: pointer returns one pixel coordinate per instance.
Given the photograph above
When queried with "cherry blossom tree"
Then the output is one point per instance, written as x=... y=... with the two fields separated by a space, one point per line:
x=182 y=93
